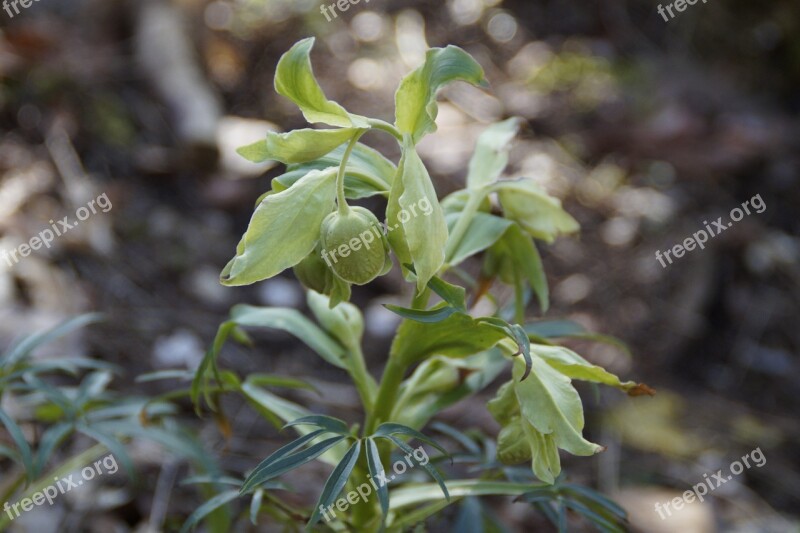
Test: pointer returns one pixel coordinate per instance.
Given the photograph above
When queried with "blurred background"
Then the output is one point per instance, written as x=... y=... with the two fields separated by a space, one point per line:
x=644 y=128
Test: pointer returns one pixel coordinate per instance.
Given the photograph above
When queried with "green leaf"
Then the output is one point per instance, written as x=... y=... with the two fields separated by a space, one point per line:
x=209 y=507
x=416 y=236
x=255 y=506
x=574 y=366
x=429 y=468
x=554 y=328
x=294 y=79
x=367 y=173
x=19 y=441
x=24 y=348
x=328 y=423
x=376 y=471
x=387 y=429
x=483 y=231
x=458 y=336
x=284 y=229
x=515 y=257
x=551 y=404
x=291 y=321
x=287 y=463
x=430 y=316
x=414 y=494
x=111 y=442
x=539 y=214
x=491 y=153
x=50 y=439
x=454 y=295
x=415 y=100
x=297 y=146
x=280 y=453
x=336 y=482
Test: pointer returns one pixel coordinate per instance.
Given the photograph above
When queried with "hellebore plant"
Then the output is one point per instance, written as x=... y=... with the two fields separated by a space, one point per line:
x=440 y=354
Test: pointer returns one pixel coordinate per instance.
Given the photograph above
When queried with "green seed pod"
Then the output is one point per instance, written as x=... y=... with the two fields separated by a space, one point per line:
x=313 y=273
x=354 y=246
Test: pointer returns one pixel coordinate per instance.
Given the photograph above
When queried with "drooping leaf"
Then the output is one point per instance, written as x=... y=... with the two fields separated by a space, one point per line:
x=416 y=237
x=539 y=214
x=415 y=100
x=296 y=146
x=49 y=441
x=294 y=79
x=283 y=230
x=574 y=366
x=551 y=404
x=491 y=153
x=336 y=482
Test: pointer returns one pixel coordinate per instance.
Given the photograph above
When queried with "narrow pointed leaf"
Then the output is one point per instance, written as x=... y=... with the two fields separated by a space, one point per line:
x=429 y=316
x=290 y=462
x=430 y=469
x=336 y=481
x=282 y=452
x=207 y=508
x=387 y=429
x=376 y=470
x=19 y=441
x=328 y=423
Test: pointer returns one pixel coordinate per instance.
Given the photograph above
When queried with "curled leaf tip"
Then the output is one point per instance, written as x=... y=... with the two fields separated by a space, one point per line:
x=641 y=390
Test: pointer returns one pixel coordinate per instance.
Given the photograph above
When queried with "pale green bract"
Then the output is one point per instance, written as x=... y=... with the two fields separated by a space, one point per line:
x=284 y=229
x=294 y=79
x=419 y=239
x=539 y=214
x=298 y=146
x=415 y=100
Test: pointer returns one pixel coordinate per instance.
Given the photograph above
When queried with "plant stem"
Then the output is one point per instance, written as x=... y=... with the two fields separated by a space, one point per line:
x=344 y=209
x=470 y=209
x=364 y=382
x=387 y=394
x=385 y=126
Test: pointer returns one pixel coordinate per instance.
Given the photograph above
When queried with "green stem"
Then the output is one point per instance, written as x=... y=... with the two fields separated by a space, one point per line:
x=365 y=383
x=470 y=209
x=385 y=126
x=387 y=394
x=344 y=209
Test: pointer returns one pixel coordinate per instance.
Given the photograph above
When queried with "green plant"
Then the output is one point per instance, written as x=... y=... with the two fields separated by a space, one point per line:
x=440 y=354
x=60 y=397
